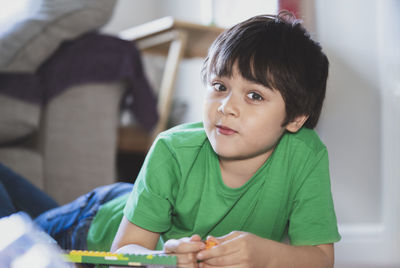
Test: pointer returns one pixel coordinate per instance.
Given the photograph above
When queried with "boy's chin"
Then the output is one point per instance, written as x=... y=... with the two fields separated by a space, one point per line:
x=240 y=156
x=229 y=156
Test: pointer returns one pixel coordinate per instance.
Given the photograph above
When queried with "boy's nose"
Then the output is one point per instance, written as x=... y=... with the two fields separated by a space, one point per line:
x=228 y=106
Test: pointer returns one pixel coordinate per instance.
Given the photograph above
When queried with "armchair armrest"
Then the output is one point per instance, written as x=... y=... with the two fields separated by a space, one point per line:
x=78 y=139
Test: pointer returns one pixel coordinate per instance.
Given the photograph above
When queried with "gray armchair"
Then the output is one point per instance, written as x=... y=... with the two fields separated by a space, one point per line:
x=71 y=145
x=61 y=86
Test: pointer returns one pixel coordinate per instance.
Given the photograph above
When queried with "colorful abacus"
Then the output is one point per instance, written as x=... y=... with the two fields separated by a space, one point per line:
x=119 y=259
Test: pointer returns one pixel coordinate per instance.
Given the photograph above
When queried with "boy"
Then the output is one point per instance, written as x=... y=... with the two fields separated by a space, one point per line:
x=251 y=173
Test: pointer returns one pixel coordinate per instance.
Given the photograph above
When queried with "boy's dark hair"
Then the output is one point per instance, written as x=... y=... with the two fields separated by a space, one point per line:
x=277 y=52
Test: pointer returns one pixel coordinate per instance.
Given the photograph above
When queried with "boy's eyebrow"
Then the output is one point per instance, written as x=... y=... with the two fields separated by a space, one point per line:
x=215 y=76
x=267 y=89
x=262 y=86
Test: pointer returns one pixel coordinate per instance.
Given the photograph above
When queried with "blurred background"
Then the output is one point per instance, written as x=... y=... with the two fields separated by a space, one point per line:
x=360 y=123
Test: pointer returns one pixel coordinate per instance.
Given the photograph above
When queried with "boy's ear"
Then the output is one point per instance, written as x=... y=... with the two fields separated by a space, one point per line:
x=296 y=123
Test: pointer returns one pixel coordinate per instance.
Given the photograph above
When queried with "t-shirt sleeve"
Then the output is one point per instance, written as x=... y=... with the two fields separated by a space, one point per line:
x=151 y=201
x=312 y=220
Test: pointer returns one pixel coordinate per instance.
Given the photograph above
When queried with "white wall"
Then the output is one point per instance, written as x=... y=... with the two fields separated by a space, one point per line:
x=351 y=122
x=129 y=13
x=359 y=123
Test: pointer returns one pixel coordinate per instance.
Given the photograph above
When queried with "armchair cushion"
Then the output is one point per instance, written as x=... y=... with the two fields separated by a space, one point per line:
x=18 y=119
x=31 y=40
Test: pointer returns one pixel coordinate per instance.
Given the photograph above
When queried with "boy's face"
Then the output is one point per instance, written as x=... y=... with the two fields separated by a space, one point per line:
x=242 y=119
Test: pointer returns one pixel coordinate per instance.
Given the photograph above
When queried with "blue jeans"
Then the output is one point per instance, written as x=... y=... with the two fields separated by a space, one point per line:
x=69 y=224
x=18 y=194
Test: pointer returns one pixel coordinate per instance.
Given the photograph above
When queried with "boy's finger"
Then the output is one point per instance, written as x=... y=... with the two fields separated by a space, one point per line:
x=229 y=236
x=187 y=258
x=176 y=246
x=226 y=260
x=212 y=238
x=220 y=250
x=195 y=237
x=191 y=247
x=171 y=245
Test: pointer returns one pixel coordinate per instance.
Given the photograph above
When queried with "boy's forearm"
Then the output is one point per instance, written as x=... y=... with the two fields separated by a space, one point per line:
x=301 y=256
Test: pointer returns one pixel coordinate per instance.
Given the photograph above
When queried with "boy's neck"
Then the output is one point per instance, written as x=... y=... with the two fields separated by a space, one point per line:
x=236 y=172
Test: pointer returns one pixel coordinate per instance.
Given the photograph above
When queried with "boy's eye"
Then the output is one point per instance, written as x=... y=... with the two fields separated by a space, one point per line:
x=219 y=87
x=255 y=96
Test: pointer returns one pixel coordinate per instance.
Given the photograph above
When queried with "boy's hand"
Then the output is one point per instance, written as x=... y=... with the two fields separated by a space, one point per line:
x=241 y=249
x=185 y=249
x=237 y=249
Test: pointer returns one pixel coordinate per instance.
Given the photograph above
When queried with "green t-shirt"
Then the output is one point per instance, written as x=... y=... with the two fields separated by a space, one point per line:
x=179 y=192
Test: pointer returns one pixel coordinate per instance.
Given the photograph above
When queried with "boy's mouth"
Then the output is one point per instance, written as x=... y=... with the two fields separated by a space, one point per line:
x=224 y=130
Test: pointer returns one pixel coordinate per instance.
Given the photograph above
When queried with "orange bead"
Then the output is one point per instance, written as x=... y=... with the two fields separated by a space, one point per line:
x=210 y=244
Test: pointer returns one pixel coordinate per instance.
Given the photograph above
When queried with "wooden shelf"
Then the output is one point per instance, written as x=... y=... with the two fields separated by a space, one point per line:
x=199 y=37
x=134 y=139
